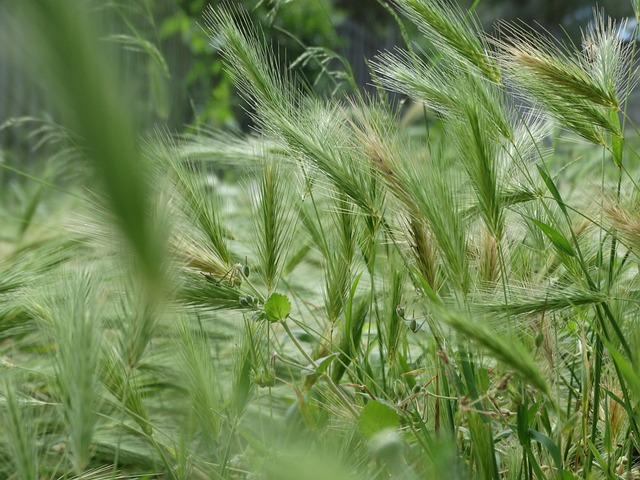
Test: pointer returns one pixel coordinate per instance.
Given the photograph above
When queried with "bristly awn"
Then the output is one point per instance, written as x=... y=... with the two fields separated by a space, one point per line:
x=235 y=275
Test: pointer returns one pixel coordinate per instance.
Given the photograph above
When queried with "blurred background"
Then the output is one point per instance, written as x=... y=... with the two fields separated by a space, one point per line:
x=178 y=81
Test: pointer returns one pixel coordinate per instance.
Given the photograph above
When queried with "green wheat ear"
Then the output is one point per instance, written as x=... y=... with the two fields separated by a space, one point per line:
x=20 y=431
x=578 y=88
x=275 y=219
x=454 y=32
x=508 y=351
x=71 y=317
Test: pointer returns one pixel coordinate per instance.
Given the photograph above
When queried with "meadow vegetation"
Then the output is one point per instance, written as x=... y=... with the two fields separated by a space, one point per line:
x=371 y=298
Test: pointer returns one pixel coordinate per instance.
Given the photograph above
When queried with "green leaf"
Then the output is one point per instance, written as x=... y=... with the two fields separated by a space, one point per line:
x=602 y=463
x=627 y=369
x=617 y=141
x=321 y=365
x=550 y=445
x=431 y=294
x=349 y=310
x=277 y=307
x=533 y=461
x=567 y=476
x=377 y=416
x=552 y=188
x=505 y=348
x=559 y=241
x=522 y=428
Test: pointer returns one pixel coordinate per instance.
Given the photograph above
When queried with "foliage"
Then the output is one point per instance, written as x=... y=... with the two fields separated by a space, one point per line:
x=375 y=301
x=291 y=25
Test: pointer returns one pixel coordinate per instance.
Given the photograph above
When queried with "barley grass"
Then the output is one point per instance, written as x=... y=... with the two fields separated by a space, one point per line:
x=471 y=283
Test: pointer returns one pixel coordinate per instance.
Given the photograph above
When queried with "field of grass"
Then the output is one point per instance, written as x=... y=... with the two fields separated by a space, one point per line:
x=368 y=299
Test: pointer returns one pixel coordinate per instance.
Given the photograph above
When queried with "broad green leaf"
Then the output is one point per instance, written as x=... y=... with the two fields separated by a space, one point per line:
x=552 y=188
x=277 y=307
x=602 y=463
x=348 y=311
x=567 y=476
x=321 y=365
x=522 y=425
x=506 y=349
x=550 y=445
x=426 y=288
x=377 y=416
x=559 y=241
x=503 y=435
x=533 y=461
x=626 y=368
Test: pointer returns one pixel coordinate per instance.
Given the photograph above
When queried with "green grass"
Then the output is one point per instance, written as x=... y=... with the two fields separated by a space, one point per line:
x=368 y=301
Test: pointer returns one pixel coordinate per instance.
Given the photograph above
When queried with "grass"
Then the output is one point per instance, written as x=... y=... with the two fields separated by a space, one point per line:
x=368 y=301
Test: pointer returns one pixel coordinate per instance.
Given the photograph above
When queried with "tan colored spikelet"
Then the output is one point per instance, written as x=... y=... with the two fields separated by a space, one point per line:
x=424 y=250
x=623 y=221
x=488 y=259
x=617 y=416
x=195 y=257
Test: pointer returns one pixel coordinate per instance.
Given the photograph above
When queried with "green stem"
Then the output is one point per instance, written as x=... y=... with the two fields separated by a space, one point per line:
x=334 y=388
x=595 y=403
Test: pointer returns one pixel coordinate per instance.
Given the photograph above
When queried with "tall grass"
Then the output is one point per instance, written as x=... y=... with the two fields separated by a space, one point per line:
x=370 y=300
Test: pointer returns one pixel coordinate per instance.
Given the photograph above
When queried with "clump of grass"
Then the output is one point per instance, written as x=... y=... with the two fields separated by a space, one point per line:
x=275 y=214
x=446 y=280
x=579 y=88
x=452 y=32
x=74 y=326
x=20 y=435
